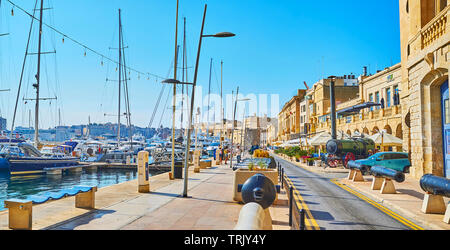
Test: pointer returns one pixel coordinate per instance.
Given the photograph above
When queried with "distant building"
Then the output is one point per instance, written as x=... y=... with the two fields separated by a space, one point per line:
x=2 y=124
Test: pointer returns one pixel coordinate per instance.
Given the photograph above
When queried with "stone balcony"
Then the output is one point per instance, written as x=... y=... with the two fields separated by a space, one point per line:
x=435 y=29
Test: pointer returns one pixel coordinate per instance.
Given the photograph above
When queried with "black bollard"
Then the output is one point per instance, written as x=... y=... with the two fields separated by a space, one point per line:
x=302 y=219
x=291 y=191
x=282 y=178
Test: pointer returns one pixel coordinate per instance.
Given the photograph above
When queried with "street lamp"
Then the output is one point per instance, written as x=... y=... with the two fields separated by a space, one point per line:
x=333 y=107
x=187 y=150
x=234 y=124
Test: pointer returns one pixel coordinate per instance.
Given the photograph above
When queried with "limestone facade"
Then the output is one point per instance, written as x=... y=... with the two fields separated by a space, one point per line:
x=425 y=55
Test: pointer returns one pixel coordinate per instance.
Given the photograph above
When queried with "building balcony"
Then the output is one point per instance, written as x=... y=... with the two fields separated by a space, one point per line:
x=435 y=29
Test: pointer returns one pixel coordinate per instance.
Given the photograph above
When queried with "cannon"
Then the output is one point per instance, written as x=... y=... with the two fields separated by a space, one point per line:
x=355 y=165
x=383 y=179
x=435 y=185
x=348 y=150
x=436 y=188
x=259 y=189
x=379 y=171
x=357 y=170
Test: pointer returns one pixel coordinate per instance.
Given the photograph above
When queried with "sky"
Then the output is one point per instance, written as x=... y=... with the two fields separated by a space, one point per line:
x=278 y=45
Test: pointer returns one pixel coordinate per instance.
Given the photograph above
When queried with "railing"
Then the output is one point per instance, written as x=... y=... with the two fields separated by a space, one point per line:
x=435 y=29
x=296 y=215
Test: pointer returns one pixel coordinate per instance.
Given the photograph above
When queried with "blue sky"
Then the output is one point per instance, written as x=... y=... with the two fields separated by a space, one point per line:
x=279 y=44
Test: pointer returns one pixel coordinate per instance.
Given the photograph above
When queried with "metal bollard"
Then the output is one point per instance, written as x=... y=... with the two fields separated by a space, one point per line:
x=291 y=191
x=302 y=219
x=282 y=178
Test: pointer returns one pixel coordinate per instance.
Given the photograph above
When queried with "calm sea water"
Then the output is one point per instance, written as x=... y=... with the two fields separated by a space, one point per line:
x=19 y=187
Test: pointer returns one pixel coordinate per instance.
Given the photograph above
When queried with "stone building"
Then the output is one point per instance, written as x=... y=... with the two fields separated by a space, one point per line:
x=289 y=118
x=424 y=38
x=346 y=88
x=2 y=124
x=381 y=88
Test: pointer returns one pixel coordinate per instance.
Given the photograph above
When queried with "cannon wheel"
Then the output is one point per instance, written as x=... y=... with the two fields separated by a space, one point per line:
x=348 y=157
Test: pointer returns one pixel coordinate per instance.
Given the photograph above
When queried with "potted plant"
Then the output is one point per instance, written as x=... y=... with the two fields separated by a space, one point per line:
x=251 y=166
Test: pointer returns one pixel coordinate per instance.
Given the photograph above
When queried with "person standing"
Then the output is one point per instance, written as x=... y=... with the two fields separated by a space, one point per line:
x=225 y=153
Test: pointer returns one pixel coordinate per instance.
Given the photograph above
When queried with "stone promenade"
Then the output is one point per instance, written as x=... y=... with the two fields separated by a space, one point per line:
x=121 y=207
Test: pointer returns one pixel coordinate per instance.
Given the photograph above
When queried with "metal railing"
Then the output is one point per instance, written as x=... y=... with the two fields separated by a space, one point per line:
x=297 y=214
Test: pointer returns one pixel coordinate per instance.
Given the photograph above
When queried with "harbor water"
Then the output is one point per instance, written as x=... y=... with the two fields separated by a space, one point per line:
x=20 y=187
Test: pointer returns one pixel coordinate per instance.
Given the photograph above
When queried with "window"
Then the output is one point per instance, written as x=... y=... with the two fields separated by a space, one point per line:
x=447 y=112
x=398 y=156
x=377 y=98
x=442 y=5
x=388 y=97
x=371 y=100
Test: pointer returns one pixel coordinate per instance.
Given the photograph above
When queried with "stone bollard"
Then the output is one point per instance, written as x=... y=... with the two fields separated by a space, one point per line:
x=20 y=214
x=86 y=200
x=143 y=172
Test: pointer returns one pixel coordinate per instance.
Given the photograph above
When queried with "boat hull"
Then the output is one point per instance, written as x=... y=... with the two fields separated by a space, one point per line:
x=27 y=166
x=4 y=164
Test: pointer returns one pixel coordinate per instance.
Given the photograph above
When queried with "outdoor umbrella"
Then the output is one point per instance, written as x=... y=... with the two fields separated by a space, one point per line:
x=385 y=140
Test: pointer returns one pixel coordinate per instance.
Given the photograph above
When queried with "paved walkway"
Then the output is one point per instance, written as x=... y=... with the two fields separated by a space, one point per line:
x=121 y=207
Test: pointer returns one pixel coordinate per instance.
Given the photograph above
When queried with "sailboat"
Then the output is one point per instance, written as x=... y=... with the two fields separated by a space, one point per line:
x=23 y=158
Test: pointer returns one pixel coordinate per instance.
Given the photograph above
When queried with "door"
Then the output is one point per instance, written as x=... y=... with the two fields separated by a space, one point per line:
x=446 y=127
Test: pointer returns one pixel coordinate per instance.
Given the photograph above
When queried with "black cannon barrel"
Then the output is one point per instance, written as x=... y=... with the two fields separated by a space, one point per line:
x=259 y=189
x=380 y=171
x=435 y=185
x=356 y=165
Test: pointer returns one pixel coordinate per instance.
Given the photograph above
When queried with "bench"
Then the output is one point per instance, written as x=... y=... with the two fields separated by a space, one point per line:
x=20 y=211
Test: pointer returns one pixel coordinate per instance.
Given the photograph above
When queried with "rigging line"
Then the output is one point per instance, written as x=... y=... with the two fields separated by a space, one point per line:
x=21 y=75
x=164 y=109
x=79 y=43
x=162 y=90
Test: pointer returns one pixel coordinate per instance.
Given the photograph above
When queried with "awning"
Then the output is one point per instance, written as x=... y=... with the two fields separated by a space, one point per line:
x=385 y=139
x=356 y=109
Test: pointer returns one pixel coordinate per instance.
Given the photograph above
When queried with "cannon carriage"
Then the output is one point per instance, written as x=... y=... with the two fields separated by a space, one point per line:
x=344 y=151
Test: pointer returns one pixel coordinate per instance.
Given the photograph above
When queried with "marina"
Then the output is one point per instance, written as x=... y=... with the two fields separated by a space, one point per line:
x=20 y=187
x=204 y=116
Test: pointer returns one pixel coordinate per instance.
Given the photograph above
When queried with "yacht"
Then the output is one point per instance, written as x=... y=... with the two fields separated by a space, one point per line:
x=25 y=159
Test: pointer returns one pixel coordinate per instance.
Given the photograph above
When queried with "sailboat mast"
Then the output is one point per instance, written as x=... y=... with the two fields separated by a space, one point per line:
x=120 y=77
x=209 y=96
x=183 y=74
x=174 y=92
x=36 y=122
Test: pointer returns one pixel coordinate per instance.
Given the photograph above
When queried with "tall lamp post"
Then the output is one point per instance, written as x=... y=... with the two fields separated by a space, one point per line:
x=234 y=124
x=174 y=81
x=333 y=107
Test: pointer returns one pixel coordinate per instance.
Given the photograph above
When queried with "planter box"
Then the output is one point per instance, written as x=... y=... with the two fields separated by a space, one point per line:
x=204 y=164
x=242 y=175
